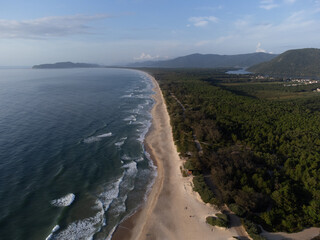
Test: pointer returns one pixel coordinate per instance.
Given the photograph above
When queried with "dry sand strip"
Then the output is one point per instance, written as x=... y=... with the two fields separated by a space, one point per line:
x=173 y=211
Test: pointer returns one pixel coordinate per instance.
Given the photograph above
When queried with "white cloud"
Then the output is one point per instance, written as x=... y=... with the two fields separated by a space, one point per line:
x=202 y=21
x=268 y=4
x=259 y=49
x=300 y=29
x=46 y=27
x=146 y=56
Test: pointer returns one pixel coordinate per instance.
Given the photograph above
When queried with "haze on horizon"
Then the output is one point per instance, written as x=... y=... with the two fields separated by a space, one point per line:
x=122 y=31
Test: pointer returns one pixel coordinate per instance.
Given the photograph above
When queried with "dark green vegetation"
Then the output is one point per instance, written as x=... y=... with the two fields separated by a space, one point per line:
x=298 y=63
x=260 y=151
x=252 y=229
x=221 y=220
x=66 y=65
x=209 y=61
x=201 y=187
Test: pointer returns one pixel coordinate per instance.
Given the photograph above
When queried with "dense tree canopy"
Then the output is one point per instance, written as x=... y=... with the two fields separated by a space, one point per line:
x=263 y=154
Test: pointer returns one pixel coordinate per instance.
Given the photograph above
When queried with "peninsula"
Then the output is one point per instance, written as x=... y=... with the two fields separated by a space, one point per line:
x=66 y=65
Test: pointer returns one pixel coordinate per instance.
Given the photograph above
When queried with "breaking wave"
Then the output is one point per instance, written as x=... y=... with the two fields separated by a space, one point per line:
x=64 y=201
x=97 y=138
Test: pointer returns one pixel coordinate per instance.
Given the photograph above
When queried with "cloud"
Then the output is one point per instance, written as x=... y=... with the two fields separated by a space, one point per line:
x=56 y=26
x=202 y=21
x=259 y=49
x=145 y=56
x=299 y=29
x=268 y=4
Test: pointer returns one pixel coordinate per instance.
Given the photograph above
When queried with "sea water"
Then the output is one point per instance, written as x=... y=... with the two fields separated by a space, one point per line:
x=72 y=159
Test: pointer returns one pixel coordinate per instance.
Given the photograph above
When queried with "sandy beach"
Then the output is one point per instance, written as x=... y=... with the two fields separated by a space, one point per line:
x=173 y=210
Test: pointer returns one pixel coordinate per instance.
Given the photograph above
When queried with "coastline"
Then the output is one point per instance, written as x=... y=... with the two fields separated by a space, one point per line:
x=172 y=210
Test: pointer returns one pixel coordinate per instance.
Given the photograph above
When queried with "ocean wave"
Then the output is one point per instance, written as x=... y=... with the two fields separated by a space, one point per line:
x=139 y=159
x=146 y=125
x=109 y=237
x=83 y=229
x=97 y=138
x=105 y=135
x=119 y=206
x=121 y=142
x=56 y=228
x=130 y=168
x=110 y=193
x=125 y=157
x=127 y=95
x=130 y=118
x=64 y=201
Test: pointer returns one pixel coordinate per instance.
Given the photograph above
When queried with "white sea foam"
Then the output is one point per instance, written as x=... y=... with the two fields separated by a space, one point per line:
x=145 y=130
x=153 y=171
x=56 y=228
x=121 y=142
x=131 y=168
x=139 y=159
x=83 y=229
x=97 y=138
x=110 y=192
x=105 y=135
x=127 y=95
x=64 y=201
x=109 y=237
x=120 y=206
x=125 y=157
x=130 y=118
x=141 y=96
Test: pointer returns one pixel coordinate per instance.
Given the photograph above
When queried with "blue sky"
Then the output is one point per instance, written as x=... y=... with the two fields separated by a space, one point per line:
x=121 y=31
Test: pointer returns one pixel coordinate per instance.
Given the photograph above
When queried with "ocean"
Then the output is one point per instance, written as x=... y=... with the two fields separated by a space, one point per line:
x=72 y=159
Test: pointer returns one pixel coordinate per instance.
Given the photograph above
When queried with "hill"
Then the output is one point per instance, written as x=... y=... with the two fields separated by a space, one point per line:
x=66 y=65
x=209 y=61
x=292 y=63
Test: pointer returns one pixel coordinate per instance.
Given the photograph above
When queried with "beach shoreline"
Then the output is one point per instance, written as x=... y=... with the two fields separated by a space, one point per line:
x=172 y=209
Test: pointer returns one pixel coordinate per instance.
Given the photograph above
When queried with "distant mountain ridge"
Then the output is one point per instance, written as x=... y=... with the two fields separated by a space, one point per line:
x=209 y=61
x=66 y=65
x=293 y=63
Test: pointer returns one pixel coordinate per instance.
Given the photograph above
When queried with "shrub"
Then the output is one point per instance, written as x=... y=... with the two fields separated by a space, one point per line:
x=183 y=172
x=238 y=210
x=201 y=187
x=214 y=221
x=253 y=230
x=222 y=216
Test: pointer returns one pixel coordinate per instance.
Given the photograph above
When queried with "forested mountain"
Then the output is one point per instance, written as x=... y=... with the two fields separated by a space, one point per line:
x=66 y=65
x=292 y=63
x=209 y=61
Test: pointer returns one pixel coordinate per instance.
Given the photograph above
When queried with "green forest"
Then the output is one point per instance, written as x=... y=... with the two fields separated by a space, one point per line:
x=260 y=143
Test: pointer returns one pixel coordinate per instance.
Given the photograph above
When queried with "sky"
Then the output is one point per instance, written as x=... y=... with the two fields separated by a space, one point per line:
x=123 y=31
